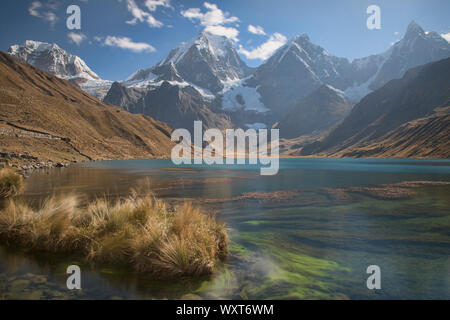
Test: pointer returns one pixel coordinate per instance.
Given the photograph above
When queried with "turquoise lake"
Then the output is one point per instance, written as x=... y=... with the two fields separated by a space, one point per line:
x=309 y=232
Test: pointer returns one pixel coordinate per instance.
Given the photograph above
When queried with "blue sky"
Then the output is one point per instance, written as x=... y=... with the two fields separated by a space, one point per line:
x=117 y=37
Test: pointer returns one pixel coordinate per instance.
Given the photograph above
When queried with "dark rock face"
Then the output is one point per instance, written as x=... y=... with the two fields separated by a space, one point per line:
x=295 y=70
x=321 y=110
x=365 y=68
x=167 y=72
x=177 y=106
x=126 y=98
x=422 y=92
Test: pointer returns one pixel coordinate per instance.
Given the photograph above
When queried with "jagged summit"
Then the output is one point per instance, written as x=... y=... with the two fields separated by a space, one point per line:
x=414 y=28
x=302 y=47
x=300 y=38
x=207 y=61
x=51 y=58
x=31 y=45
x=416 y=48
x=218 y=46
x=297 y=69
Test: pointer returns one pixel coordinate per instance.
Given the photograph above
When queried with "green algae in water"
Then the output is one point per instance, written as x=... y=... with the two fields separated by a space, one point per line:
x=286 y=273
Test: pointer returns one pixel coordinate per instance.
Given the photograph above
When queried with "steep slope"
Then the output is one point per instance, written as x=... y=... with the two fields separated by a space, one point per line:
x=422 y=138
x=52 y=59
x=295 y=70
x=47 y=118
x=393 y=114
x=318 y=112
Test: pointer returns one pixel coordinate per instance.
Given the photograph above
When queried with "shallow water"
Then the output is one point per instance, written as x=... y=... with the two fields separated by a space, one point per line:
x=309 y=232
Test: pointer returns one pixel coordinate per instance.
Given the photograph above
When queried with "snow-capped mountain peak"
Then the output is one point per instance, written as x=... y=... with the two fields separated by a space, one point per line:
x=297 y=69
x=51 y=58
x=207 y=61
x=220 y=46
x=216 y=45
x=414 y=29
x=31 y=45
x=416 y=48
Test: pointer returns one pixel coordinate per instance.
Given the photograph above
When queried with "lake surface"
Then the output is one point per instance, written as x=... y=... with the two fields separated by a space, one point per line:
x=309 y=232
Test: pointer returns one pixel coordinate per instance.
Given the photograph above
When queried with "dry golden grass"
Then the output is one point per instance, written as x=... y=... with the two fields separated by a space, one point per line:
x=11 y=184
x=140 y=232
x=36 y=101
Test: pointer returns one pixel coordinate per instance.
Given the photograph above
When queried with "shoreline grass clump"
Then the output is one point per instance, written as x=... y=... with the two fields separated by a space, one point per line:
x=138 y=232
x=11 y=184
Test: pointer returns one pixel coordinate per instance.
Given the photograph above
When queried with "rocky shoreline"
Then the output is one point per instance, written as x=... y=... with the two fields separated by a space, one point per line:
x=25 y=162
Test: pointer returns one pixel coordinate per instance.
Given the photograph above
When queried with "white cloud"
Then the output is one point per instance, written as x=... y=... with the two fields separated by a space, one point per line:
x=212 y=17
x=153 y=5
x=44 y=11
x=446 y=36
x=230 y=33
x=76 y=38
x=213 y=20
x=265 y=50
x=256 y=30
x=192 y=13
x=142 y=15
x=127 y=44
x=34 y=7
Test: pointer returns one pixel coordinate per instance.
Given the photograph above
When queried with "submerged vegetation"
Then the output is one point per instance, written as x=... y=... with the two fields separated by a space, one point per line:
x=11 y=184
x=140 y=232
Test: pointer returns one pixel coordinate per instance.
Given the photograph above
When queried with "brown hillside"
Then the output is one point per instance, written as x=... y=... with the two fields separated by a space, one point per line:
x=422 y=138
x=408 y=117
x=52 y=119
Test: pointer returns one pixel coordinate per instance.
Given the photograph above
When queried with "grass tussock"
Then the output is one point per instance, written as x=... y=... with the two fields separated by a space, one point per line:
x=140 y=232
x=11 y=184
